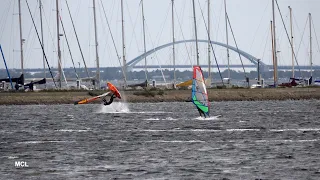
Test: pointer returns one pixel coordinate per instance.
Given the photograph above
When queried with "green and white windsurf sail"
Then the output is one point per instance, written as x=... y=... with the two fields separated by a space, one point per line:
x=199 y=91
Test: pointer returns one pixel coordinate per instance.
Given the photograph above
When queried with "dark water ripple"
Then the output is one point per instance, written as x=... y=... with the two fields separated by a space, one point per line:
x=251 y=140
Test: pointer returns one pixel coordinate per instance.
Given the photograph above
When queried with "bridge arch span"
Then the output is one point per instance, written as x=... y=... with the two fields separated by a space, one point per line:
x=248 y=56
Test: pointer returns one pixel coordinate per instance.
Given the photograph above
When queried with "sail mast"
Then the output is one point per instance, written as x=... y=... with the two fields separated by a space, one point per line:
x=21 y=40
x=209 y=43
x=44 y=65
x=275 y=47
x=310 y=45
x=195 y=31
x=227 y=38
x=273 y=58
x=144 y=41
x=123 y=48
x=59 y=52
x=96 y=40
x=173 y=50
x=292 y=56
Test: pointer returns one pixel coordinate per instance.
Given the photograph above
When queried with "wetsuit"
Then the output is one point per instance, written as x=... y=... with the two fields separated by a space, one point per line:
x=201 y=112
x=110 y=101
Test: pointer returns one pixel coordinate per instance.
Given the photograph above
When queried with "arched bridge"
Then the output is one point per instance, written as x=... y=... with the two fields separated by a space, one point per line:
x=248 y=56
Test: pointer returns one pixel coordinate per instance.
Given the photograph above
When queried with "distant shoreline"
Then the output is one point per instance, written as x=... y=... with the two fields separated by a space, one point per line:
x=139 y=96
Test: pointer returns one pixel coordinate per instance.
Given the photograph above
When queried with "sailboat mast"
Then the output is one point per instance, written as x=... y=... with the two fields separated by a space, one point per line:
x=123 y=48
x=195 y=31
x=173 y=50
x=21 y=40
x=209 y=43
x=227 y=38
x=58 y=42
x=44 y=63
x=292 y=56
x=96 y=40
x=144 y=41
x=273 y=58
x=275 y=47
x=310 y=21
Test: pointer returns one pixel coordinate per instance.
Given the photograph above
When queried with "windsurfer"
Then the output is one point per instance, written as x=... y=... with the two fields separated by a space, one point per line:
x=113 y=93
x=110 y=101
x=202 y=114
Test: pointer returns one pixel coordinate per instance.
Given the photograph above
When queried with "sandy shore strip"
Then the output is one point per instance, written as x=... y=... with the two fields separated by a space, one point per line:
x=69 y=97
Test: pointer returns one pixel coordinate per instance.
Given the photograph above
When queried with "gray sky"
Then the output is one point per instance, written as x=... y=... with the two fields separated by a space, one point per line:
x=250 y=20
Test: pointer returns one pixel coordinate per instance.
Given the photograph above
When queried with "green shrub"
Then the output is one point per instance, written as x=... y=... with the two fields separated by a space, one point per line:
x=221 y=87
x=236 y=87
x=153 y=89
x=161 y=92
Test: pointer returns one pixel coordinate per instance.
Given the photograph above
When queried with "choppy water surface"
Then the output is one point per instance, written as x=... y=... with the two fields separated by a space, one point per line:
x=267 y=140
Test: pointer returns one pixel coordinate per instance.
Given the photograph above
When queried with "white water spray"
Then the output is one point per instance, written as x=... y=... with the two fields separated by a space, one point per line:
x=116 y=107
x=209 y=118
